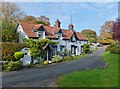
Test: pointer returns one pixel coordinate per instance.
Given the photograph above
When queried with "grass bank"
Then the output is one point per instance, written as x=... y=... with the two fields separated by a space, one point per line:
x=107 y=77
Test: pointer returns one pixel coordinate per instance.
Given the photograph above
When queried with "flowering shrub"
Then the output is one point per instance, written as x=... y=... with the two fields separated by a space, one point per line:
x=46 y=62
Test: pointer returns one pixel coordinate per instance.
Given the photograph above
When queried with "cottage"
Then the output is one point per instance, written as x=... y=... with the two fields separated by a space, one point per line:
x=68 y=38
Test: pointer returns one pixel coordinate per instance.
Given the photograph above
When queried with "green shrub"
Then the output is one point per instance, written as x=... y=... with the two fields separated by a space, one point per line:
x=108 y=48
x=56 y=59
x=4 y=65
x=11 y=66
x=76 y=57
x=66 y=52
x=83 y=53
x=60 y=53
x=115 y=50
x=86 y=48
x=114 y=47
x=68 y=58
x=18 y=55
x=14 y=65
x=8 y=50
x=41 y=62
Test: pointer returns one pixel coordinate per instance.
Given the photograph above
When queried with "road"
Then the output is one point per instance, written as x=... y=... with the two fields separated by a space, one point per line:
x=46 y=76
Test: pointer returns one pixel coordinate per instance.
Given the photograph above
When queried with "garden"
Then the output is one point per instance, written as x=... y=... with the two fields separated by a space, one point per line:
x=12 y=55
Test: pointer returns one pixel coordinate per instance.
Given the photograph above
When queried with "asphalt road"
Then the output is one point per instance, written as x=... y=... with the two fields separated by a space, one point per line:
x=46 y=76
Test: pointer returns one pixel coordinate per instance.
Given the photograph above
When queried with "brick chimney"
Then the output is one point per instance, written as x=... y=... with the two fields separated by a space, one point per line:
x=71 y=27
x=57 y=23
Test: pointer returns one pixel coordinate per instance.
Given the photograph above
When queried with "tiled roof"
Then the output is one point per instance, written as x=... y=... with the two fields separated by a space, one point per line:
x=27 y=27
x=67 y=34
x=36 y=26
x=80 y=36
x=51 y=29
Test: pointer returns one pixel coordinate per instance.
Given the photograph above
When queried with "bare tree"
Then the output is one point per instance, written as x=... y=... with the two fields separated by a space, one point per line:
x=11 y=12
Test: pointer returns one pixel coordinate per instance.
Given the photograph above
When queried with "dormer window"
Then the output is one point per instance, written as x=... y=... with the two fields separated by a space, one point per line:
x=73 y=38
x=40 y=34
x=59 y=36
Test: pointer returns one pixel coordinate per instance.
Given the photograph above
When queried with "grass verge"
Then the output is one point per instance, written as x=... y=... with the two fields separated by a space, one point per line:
x=107 y=77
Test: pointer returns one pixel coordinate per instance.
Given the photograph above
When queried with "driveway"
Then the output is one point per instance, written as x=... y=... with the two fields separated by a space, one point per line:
x=46 y=76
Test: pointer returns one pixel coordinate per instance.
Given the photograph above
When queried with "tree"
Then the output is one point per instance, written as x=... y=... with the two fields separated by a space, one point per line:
x=9 y=34
x=10 y=12
x=44 y=20
x=40 y=20
x=106 y=32
x=90 y=35
x=30 y=18
x=116 y=30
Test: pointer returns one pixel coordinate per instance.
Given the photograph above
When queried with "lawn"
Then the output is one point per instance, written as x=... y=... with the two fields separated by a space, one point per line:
x=107 y=77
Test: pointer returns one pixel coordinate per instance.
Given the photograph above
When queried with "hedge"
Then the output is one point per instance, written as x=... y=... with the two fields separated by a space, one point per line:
x=18 y=55
x=8 y=50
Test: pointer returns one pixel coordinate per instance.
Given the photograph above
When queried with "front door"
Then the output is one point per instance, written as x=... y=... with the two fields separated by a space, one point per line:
x=73 y=50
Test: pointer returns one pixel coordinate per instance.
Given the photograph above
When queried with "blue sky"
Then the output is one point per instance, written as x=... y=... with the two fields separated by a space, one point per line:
x=85 y=15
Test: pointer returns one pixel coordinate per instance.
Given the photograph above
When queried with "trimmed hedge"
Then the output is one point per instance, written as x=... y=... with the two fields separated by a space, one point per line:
x=8 y=50
x=18 y=55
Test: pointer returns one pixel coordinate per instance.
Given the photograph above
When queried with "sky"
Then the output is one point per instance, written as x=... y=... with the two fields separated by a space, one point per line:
x=85 y=15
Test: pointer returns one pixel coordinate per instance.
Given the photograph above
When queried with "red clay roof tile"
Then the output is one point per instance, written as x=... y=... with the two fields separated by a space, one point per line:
x=80 y=36
x=67 y=34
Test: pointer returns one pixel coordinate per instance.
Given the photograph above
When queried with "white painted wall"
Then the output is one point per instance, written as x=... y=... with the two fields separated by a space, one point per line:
x=22 y=34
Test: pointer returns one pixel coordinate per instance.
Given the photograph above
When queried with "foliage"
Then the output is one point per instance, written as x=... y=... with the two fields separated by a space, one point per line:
x=56 y=59
x=43 y=20
x=86 y=48
x=66 y=52
x=68 y=58
x=100 y=77
x=30 y=18
x=8 y=50
x=90 y=35
x=114 y=47
x=116 y=30
x=36 y=47
x=12 y=65
x=61 y=53
x=40 y=20
x=106 y=32
x=11 y=12
x=46 y=62
x=9 y=34
x=107 y=41
x=18 y=55
x=76 y=57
